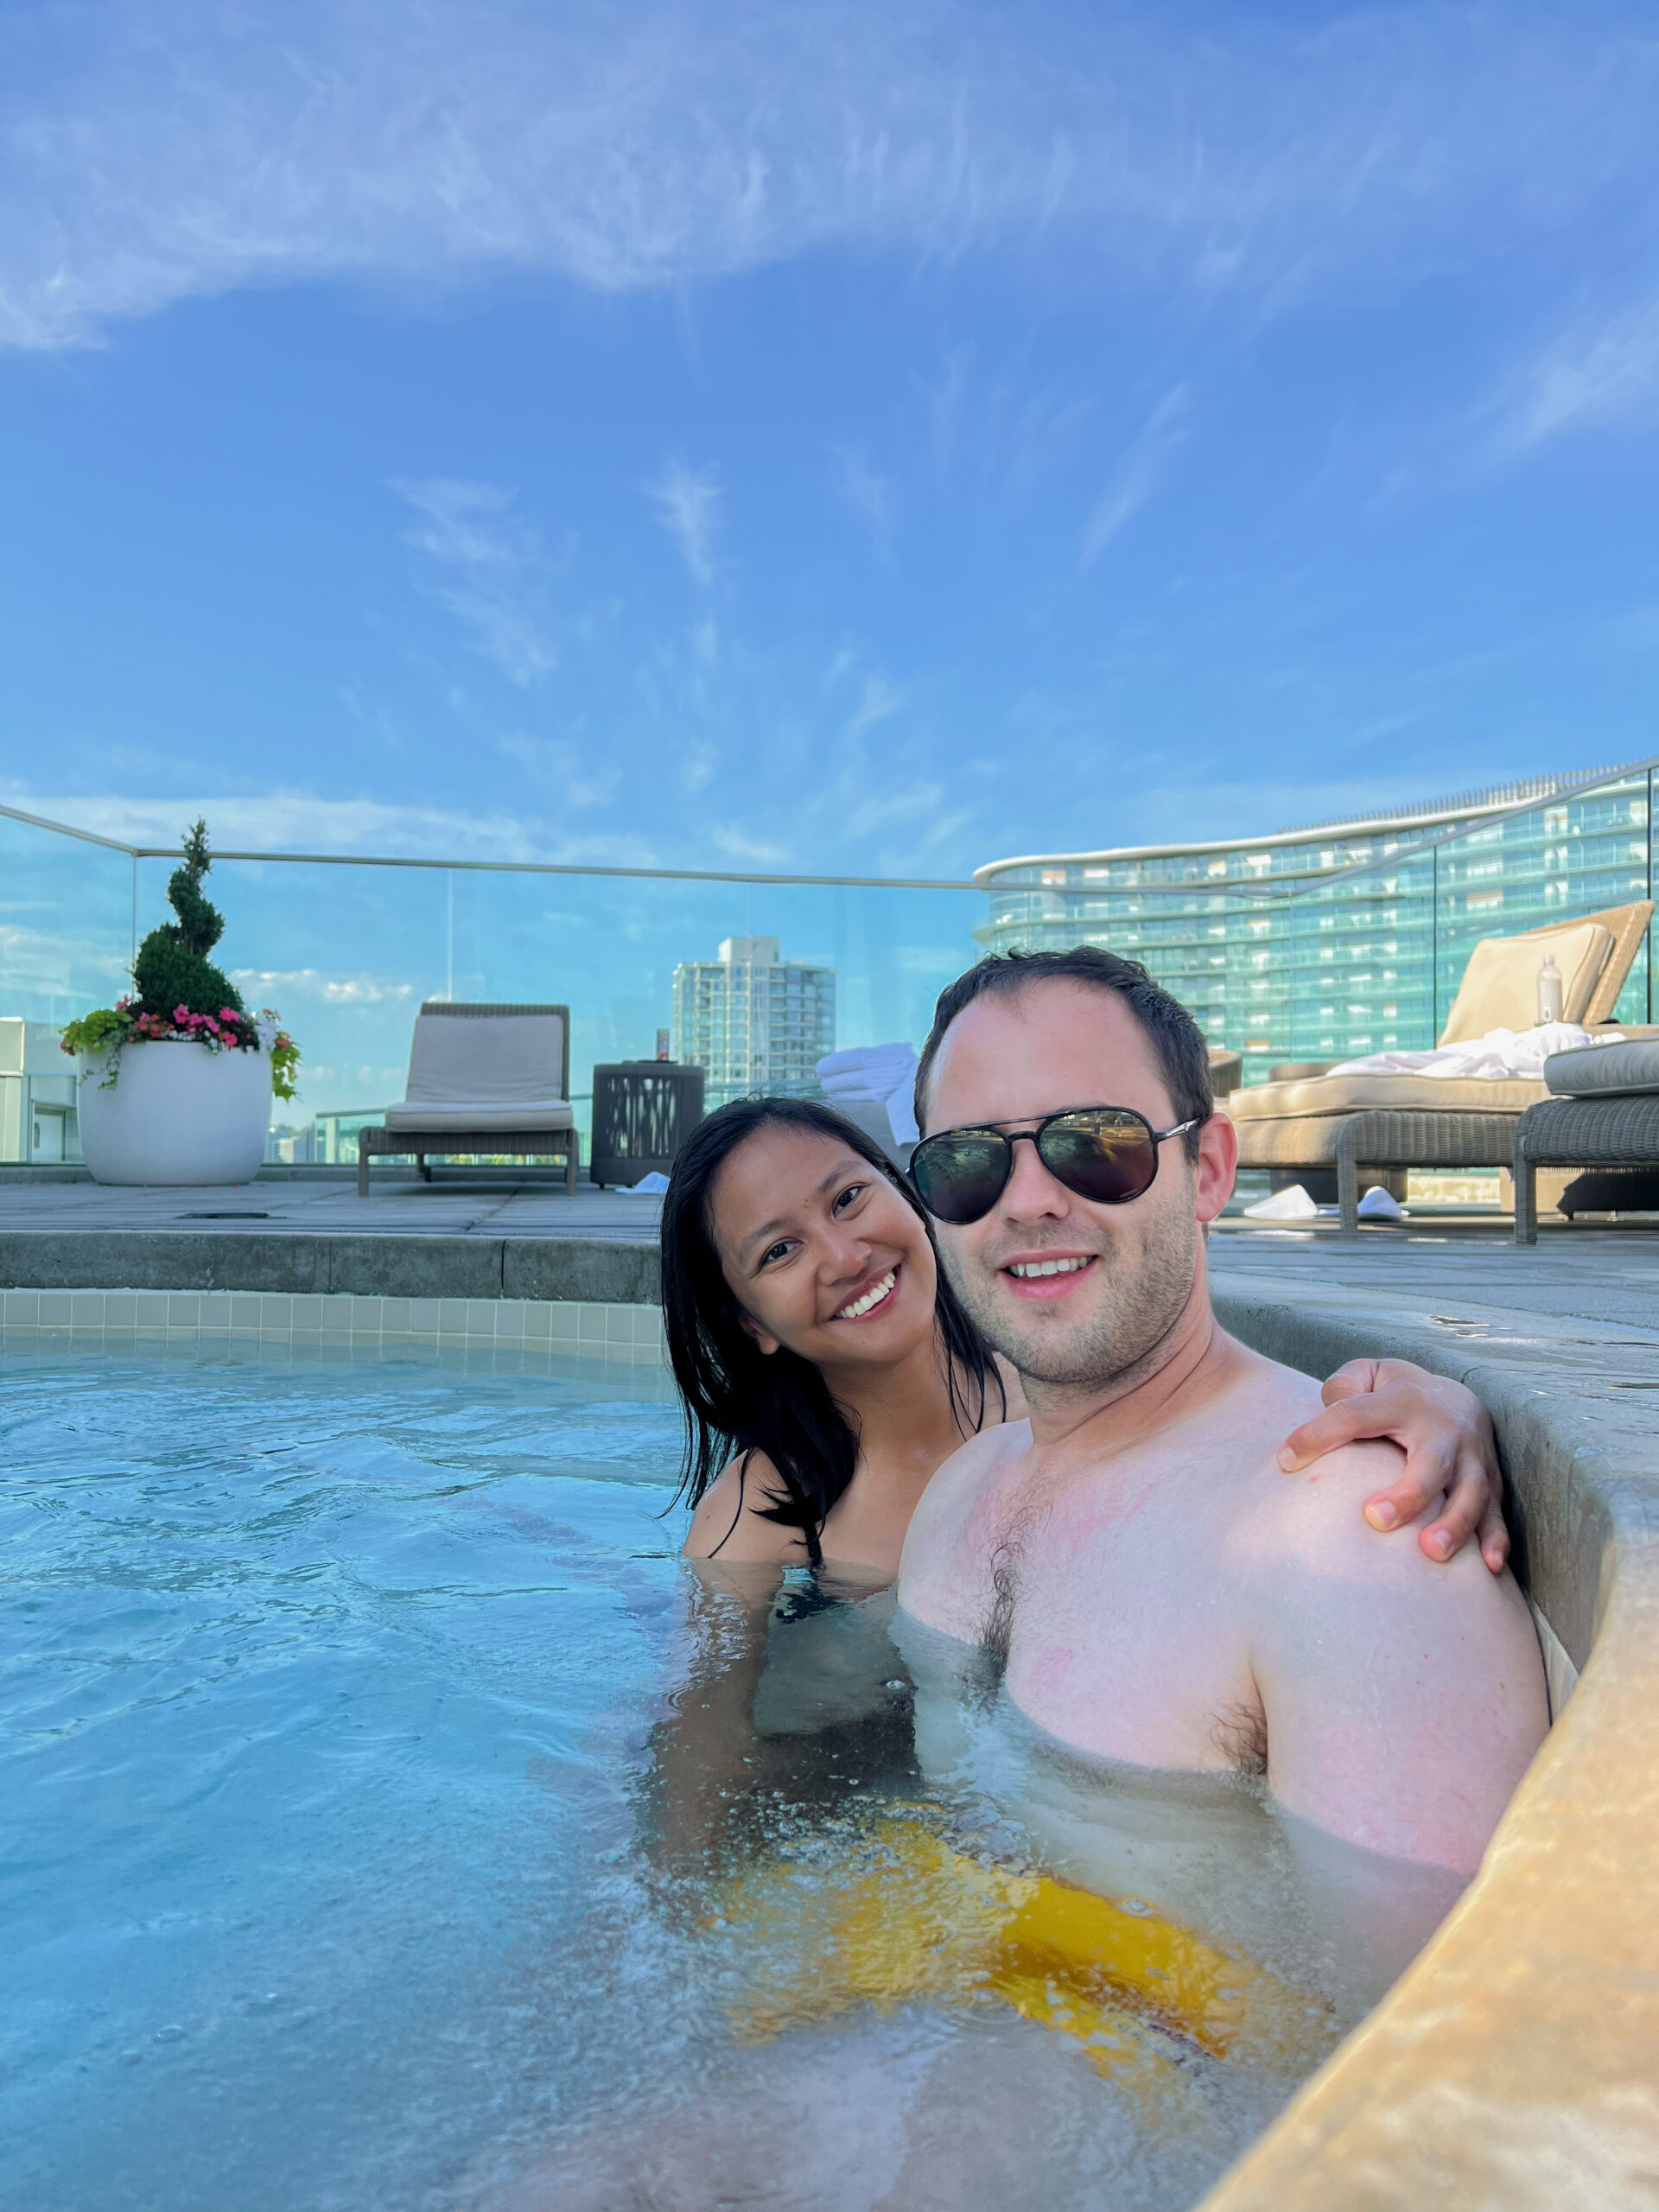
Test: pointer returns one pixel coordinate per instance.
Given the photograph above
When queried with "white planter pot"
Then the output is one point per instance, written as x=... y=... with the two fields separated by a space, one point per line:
x=177 y=1113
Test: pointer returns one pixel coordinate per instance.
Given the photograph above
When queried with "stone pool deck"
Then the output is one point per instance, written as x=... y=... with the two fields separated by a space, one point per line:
x=1512 y=2068
x=296 y=1234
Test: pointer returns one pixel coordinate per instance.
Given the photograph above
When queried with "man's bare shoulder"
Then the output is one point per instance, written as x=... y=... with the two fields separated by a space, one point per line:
x=947 y=1553
x=729 y=1523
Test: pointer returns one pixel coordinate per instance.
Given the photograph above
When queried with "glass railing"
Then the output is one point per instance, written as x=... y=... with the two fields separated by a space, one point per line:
x=1322 y=962
x=347 y=952
x=1345 y=946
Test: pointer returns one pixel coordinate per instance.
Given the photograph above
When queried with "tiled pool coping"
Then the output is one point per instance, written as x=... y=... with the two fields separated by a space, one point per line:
x=284 y=1320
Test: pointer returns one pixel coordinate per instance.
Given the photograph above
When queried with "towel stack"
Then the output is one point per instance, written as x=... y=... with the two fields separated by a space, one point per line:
x=874 y=1074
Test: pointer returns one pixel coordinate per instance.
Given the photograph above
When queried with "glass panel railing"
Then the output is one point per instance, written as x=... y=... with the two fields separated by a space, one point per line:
x=1342 y=955
x=1327 y=945
x=66 y=922
x=347 y=953
x=65 y=944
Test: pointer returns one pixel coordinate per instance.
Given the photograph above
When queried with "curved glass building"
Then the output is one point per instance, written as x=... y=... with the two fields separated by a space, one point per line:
x=1343 y=937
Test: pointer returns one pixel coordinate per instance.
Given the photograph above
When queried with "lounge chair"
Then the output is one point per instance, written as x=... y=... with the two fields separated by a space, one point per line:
x=1602 y=1112
x=490 y=1079
x=1371 y=1123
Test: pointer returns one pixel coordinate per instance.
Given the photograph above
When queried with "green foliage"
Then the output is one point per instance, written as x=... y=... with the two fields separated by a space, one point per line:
x=183 y=998
x=96 y=1031
x=284 y=1064
x=173 y=969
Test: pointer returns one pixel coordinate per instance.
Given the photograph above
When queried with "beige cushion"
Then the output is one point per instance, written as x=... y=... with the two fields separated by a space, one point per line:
x=541 y=1114
x=1605 y=1070
x=1499 y=988
x=1355 y=1094
x=470 y=1060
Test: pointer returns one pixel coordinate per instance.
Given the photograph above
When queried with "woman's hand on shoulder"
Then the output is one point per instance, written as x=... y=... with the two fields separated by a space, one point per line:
x=725 y=1524
x=1450 y=1453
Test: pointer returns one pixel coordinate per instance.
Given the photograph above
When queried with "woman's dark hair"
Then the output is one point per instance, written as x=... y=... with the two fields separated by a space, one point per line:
x=740 y=1399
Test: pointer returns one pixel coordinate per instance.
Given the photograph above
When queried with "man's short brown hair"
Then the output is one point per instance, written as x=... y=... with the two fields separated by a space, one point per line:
x=1183 y=1056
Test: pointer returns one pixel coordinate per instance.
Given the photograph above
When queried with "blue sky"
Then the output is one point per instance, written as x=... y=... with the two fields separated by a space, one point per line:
x=876 y=437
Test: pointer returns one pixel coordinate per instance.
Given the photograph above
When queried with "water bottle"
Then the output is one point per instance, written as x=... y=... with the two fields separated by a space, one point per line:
x=1549 y=991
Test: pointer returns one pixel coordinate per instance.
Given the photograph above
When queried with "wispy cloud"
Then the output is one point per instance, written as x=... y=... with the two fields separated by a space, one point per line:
x=169 y=151
x=299 y=821
x=488 y=568
x=312 y=985
x=736 y=844
x=1136 y=478
x=877 y=701
x=1603 y=375
x=688 y=506
x=555 y=763
x=863 y=490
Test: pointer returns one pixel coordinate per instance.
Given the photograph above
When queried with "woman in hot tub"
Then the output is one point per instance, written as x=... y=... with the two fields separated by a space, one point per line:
x=828 y=1369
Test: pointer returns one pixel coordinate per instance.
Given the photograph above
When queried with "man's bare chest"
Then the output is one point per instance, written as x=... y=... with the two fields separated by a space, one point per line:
x=1125 y=1633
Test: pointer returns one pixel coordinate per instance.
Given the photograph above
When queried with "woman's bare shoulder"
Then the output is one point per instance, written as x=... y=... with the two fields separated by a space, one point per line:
x=726 y=1522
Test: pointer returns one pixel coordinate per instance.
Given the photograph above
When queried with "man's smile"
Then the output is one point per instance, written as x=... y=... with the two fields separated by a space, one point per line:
x=1047 y=1274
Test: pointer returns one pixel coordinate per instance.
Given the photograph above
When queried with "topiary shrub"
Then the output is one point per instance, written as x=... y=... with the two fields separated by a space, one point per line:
x=181 y=996
x=173 y=969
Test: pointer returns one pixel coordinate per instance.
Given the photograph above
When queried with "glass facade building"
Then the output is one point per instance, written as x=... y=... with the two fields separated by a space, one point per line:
x=1328 y=941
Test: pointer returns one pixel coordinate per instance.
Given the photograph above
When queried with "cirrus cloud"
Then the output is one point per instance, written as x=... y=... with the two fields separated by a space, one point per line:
x=163 y=151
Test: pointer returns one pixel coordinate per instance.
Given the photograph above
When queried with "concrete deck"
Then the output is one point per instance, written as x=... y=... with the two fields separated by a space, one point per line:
x=326 y=1204
x=482 y=1237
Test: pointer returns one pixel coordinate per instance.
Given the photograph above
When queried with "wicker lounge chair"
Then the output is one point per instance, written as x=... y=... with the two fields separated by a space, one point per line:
x=489 y=1079
x=1369 y=1124
x=1603 y=1113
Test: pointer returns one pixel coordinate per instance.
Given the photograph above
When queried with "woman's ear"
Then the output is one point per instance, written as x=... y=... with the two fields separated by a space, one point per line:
x=767 y=1344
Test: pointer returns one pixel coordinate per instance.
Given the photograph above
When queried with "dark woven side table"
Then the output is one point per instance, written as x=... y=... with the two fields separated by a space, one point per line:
x=644 y=1111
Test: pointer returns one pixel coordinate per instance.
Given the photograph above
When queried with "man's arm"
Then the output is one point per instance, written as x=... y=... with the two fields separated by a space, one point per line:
x=1402 y=1707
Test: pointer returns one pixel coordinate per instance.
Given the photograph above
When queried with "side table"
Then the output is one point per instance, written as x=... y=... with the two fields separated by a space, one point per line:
x=644 y=1111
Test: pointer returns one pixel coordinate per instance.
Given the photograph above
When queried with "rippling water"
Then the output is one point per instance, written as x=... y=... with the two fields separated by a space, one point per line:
x=318 y=1687
x=386 y=1829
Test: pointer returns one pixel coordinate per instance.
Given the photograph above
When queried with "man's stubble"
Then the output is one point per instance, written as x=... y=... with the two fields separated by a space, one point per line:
x=1136 y=1300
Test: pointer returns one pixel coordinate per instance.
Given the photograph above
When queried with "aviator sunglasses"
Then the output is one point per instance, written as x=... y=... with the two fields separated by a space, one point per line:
x=1105 y=1153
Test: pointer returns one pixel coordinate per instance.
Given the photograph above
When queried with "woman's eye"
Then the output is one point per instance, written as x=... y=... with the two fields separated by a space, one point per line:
x=853 y=1191
x=773 y=1252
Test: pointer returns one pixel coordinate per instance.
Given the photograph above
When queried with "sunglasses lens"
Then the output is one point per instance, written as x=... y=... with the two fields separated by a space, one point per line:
x=959 y=1178
x=1105 y=1154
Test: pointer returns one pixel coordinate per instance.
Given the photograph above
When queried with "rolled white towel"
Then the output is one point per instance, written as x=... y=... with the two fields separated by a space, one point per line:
x=881 y=1074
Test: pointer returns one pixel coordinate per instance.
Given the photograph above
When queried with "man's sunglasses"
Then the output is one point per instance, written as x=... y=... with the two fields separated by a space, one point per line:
x=1105 y=1153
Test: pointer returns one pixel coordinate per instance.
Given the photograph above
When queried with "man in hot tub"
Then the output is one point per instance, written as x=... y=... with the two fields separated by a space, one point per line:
x=1158 y=1593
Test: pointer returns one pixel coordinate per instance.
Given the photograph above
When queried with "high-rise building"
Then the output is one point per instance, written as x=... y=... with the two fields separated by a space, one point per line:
x=1345 y=937
x=751 y=1021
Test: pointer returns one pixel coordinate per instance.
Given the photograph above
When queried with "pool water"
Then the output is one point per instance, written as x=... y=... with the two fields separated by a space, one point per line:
x=389 y=1826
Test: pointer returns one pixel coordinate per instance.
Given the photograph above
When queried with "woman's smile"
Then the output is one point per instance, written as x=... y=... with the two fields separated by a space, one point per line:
x=873 y=1293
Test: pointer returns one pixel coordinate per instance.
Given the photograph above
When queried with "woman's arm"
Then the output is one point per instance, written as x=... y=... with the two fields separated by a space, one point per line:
x=1450 y=1453
x=703 y=1745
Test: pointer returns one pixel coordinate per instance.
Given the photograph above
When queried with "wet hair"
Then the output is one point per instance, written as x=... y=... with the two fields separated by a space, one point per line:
x=1183 y=1056
x=739 y=1400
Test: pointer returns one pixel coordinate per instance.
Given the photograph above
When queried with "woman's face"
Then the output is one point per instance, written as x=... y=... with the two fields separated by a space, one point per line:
x=821 y=1252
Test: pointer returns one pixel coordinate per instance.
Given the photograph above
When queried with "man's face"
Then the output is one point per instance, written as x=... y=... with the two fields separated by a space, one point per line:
x=1051 y=1046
